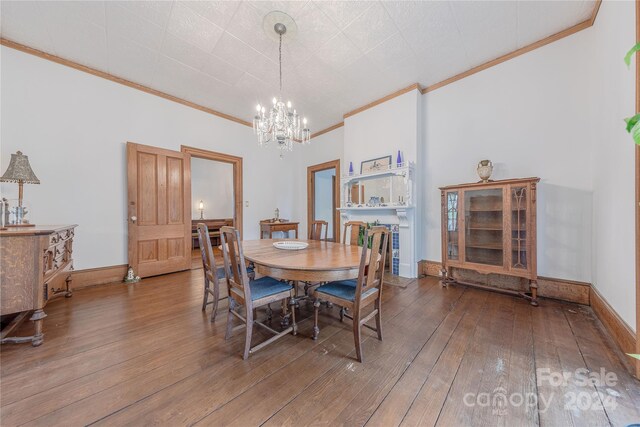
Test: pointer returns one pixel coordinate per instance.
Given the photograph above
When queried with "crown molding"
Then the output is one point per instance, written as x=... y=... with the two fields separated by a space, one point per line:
x=329 y=129
x=395 y=94
x=111 y=77
x=416 y=86
x=552 y=38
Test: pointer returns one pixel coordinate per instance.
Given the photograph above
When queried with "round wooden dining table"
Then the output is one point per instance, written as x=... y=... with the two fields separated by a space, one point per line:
x=320 y=262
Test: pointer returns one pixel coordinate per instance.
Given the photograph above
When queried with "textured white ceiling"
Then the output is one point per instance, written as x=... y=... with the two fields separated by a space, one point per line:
x=346 y=53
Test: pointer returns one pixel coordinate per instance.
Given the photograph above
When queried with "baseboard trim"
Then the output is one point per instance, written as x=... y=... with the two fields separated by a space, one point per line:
x=548 y=287
x=613 y=323
x=98 y=276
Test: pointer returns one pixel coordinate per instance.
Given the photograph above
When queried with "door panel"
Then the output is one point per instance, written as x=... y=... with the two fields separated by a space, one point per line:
x=147 y=179
x=159 y=194
x=175 y=195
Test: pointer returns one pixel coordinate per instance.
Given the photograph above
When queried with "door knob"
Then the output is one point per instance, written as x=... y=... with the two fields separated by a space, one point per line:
x=134 y=218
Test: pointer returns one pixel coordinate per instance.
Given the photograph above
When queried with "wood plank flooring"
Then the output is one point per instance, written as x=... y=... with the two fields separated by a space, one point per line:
x=146 y=354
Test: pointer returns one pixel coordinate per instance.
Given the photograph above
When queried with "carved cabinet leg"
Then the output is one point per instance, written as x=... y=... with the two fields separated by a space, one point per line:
x=534 y=292
x=447 y=275
x=38 y=336
x=69 y=292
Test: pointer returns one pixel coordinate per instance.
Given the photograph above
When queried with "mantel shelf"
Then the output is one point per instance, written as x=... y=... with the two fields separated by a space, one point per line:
x=393 y=170
x=375 y=208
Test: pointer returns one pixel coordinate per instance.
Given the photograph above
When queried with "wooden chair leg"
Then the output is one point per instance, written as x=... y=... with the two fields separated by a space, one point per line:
x=356 y=335
x=378 y=319
x=205 y=299
x=247 y=339
x=232 y=305
x=292 y=302
x=216 y=298
x=316 y=329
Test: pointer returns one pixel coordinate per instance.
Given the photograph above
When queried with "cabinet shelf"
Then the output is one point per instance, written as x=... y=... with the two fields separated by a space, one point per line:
x=490 y=246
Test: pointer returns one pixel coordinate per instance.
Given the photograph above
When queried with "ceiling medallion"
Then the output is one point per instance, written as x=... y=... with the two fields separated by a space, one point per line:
x=280 y=123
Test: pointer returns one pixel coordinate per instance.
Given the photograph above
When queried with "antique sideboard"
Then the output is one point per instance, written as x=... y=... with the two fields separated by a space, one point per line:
x=35 y=266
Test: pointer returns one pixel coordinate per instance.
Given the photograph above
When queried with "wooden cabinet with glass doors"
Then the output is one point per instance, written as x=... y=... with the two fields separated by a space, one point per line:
x=491 y=228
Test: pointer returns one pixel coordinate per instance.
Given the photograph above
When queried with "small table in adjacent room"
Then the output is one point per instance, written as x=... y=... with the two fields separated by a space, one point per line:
x=213 y=225
x=269 y=226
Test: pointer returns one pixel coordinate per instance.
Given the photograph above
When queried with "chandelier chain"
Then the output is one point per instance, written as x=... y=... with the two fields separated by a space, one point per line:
x=280 y=62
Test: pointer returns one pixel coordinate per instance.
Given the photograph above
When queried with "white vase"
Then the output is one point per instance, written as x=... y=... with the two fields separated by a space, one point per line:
x=485 y=168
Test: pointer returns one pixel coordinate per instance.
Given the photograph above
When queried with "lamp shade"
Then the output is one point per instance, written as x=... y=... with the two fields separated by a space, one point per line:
x=19 y=170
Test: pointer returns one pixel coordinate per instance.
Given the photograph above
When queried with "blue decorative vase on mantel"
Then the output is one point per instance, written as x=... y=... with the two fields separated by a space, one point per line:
x=399 y=159
x=350 y=168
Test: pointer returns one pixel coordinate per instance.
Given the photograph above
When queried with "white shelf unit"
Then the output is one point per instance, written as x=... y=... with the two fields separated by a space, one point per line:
x=404 y=192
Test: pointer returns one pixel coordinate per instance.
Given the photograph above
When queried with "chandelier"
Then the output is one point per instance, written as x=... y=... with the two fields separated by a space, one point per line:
x=280 y=123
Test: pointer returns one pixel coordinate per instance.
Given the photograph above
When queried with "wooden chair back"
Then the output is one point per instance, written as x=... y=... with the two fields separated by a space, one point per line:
x=354 y=232
x=371 y=271
x=208 y=261
x=235 y=267
x=315 y=231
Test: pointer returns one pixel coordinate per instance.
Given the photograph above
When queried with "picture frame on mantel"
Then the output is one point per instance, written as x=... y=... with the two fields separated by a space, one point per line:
x=374 y=165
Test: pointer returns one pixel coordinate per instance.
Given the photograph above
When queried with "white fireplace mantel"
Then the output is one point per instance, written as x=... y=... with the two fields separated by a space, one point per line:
x=404 y=216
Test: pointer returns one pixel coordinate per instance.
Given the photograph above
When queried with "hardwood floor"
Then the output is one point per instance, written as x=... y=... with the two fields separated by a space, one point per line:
x=145 y=354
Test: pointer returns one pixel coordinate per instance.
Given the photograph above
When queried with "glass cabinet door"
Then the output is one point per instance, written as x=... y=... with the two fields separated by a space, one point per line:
x=452 y=225
x=519 y=244
x=483 y=210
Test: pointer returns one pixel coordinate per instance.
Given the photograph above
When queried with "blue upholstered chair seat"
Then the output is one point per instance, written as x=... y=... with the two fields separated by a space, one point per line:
x=266 y=286
x=344 y=289
x=220 y=272
x=350 y=282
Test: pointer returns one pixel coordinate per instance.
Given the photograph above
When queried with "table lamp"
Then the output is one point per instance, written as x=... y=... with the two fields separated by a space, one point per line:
x=20 y=171
x=201 y=207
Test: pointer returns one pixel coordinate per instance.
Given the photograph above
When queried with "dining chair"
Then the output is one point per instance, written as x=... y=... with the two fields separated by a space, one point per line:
x=210 y=272
x=250 y=294
x=354 y=232
x=315 y=232
x=367 y=290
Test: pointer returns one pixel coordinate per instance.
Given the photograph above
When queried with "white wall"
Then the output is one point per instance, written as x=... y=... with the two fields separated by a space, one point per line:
x=613 y=90
x=530 y=116
x=324 y=148
x=211 y=183
x=382 y=131
x=74 y=126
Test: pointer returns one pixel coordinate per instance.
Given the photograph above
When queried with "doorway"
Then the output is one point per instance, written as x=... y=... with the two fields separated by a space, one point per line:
x=323 y=197
x=216 y=196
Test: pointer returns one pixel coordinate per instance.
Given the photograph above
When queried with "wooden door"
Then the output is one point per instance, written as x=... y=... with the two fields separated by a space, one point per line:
x=159 y=201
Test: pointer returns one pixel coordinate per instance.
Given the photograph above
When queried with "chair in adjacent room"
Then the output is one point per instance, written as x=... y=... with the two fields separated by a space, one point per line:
x=250 y=294
x=210 y=272
x=316 y=230
x=352 y=228
x=368 y=289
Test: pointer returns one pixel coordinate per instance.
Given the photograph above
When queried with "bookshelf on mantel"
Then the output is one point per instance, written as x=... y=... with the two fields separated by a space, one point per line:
x=387 y=189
